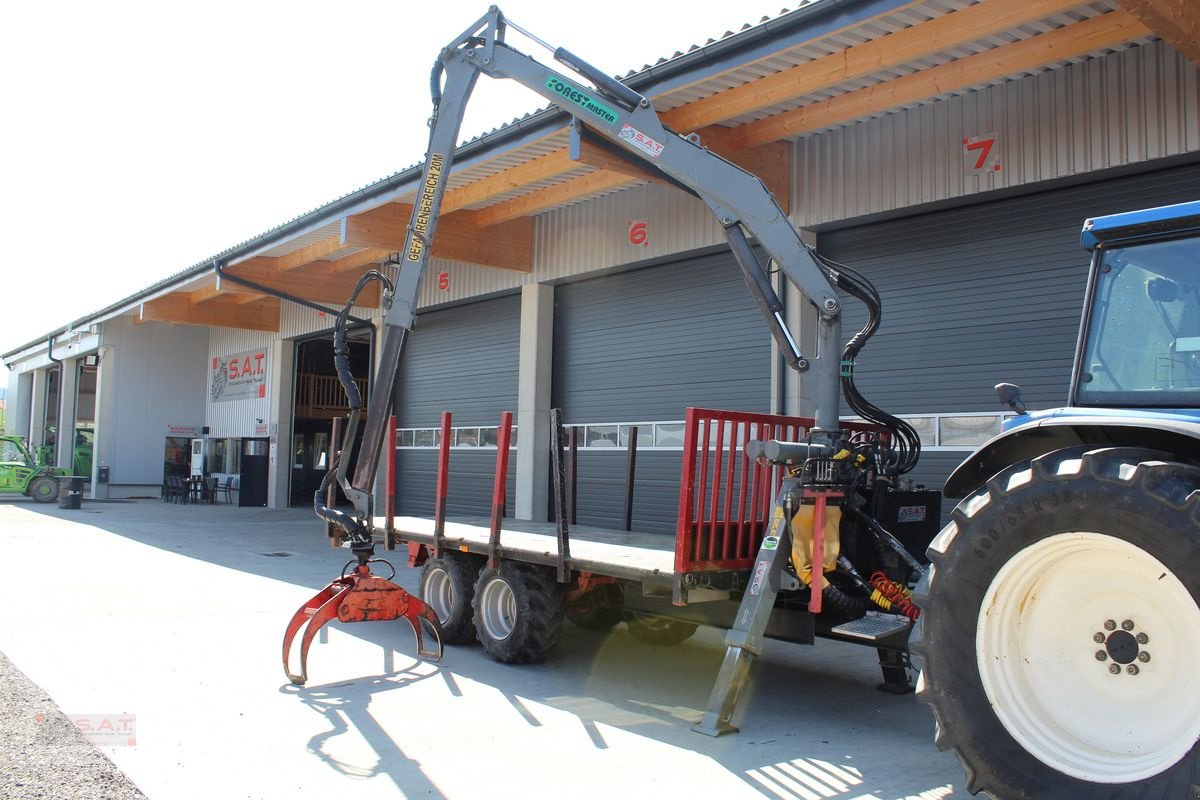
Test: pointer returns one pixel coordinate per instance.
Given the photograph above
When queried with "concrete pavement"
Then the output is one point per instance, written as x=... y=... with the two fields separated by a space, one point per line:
x=174 y=614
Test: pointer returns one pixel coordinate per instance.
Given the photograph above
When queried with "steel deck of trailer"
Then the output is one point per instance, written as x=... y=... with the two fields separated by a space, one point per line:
x=646 y=557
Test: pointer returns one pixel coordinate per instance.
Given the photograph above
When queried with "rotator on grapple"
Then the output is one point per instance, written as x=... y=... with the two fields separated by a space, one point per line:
x=359 y=596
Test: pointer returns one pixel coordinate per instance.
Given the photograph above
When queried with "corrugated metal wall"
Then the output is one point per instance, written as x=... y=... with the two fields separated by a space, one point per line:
x=463 y=360
x=239 y=418
x=644 y=345
x=1128 y=107
x=981 y=294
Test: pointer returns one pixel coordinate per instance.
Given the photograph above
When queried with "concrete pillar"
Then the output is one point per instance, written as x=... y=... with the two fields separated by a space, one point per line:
x=18 y=406
x=68 y=387
x=37 y=408
x=283 y=392
x=533 y=401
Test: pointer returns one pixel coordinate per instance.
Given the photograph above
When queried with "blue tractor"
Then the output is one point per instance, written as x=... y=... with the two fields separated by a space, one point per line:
x=1061 y=630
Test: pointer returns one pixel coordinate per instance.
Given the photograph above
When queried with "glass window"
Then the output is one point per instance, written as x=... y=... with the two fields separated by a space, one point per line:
x=926 y=427
x=10 y=453
x=466 y=437
x=601 y=436
x=668 y=434
x=645 y=435
x=488 y=437
x=427 y=437
x=1143 y=342
x=967 y=431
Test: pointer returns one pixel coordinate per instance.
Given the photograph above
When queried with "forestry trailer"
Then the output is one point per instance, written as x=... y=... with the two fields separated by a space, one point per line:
x=1060 y=622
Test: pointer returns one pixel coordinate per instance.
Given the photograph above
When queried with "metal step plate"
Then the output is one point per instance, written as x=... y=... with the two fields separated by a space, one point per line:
x=873 y=626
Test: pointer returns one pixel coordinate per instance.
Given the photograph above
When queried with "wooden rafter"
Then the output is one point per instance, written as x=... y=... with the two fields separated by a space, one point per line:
x=1098 y=33
x=460 y=236
x=179 y=308
x=308 y=254
x=937 y=35
x=1176 y=21
x=314 y=282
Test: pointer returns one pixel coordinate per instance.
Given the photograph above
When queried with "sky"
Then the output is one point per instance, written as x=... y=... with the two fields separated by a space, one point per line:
x=141 y=138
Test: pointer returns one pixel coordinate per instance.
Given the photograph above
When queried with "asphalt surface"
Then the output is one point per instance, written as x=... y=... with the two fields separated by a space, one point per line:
x=42 y=752
x=173 y=615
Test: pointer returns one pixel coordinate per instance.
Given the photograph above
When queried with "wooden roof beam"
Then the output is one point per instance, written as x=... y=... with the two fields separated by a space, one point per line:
x=316 y=282
x=941 y=33
x=1177 y=22
x=229 y=289
x=463 y=236
x=178 y=308
x=1098 y=33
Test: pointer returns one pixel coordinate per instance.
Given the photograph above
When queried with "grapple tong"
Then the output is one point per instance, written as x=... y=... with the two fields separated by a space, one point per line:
x=361 y=597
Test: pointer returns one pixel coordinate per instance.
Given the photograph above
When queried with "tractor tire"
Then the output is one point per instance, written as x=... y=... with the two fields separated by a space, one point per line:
x=519 y=612
x=659 y=631
x=43 y=489
x=599 y=609
x=1061 y=634
x=447 y=585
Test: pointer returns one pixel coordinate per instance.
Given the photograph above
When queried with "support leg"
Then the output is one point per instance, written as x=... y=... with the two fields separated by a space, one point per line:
x=745 y=640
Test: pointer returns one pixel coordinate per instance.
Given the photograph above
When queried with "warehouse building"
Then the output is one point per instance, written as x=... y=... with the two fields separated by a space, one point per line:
x=949 y=150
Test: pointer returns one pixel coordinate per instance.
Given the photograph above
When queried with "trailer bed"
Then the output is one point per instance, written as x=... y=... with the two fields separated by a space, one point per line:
x=646 y=557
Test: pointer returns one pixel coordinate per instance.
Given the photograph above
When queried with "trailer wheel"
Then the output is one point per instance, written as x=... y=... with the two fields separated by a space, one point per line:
x=656 y=630
x=519 y=611
x=447 y=585
x=599 y=609
x=1061 y=633
x=43 y=489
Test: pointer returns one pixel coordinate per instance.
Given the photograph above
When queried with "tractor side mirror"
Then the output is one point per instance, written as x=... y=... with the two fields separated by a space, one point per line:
x=1162 y=290
x=1010 y=395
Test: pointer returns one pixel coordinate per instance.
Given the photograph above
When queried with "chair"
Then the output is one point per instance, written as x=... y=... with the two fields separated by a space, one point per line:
x=210 y=489
x=228 y=489
x=174 y=490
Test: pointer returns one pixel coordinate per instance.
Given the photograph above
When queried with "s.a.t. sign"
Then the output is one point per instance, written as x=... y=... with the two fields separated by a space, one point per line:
x=240 y=376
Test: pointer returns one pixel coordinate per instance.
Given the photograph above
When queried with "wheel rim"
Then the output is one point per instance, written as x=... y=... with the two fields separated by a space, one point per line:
x=439 y=594
x=44 y=489
x=1092 y=646
x=498 y=609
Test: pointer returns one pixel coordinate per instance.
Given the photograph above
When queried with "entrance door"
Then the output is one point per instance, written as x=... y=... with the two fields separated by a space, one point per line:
x=252 y=484
x=310 y=458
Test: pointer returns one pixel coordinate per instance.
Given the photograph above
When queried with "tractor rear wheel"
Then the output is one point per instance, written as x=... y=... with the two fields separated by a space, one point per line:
x=519 y=612
x=1061 y=631
x=447 y=585
x=43 y=489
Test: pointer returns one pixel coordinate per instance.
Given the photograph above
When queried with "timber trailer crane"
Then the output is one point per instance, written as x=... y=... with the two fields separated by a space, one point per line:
x=832 y=473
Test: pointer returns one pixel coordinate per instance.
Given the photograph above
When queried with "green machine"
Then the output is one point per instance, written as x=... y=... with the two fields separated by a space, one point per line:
x=21 y=472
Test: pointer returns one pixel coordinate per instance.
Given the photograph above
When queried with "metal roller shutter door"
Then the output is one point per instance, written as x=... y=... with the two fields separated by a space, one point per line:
x=642 y=346
x=463 y=360
x=982 y=294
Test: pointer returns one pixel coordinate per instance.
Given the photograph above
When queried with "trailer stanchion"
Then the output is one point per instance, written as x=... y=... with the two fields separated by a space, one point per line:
x=443 y=486
x=573 y=477
x=560 y=496
x=389 y=528
x=630 y=470
x=499 y=487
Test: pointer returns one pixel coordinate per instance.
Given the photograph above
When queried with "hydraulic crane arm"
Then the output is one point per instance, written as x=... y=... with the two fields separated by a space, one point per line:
x=628 y=123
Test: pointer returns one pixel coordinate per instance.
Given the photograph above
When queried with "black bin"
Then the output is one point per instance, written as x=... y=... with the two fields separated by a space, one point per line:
x=70 y=491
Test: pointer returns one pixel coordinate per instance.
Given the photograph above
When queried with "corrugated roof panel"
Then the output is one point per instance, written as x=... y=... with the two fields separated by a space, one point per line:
x=292 y=245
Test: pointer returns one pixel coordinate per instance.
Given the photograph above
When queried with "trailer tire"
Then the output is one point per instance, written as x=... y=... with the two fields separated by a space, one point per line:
x=601 y=609
x=519 y=612
x=43 y=489
x=447 y=585
x=1049 y=591
x=659 y=631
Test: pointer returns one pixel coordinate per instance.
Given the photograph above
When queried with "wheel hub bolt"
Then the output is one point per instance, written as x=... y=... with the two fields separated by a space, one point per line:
x=1143 y=656
x=1132 y=669
x=1098 y=638
x=1109 y=625
x=1127 y=625
x=1101 y=655
x=1115 y=669
x=1143 y=638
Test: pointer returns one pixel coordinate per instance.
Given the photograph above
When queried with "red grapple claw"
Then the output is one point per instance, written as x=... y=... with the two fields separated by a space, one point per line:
x=360 y=597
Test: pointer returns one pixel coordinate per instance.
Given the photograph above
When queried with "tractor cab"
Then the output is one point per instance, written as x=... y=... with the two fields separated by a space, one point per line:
x=1140 y=342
